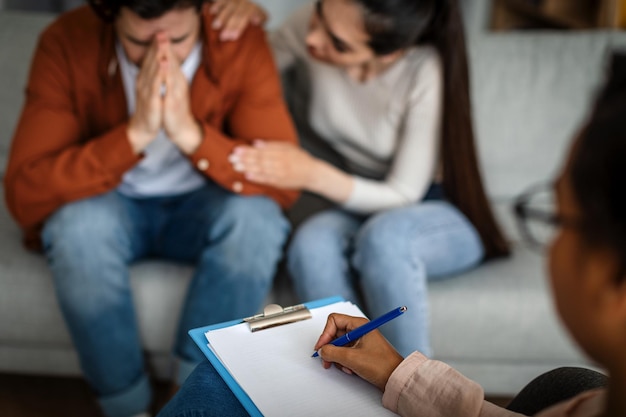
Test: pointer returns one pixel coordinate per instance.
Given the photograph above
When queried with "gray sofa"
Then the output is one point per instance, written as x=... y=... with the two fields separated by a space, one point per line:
x=496 y=323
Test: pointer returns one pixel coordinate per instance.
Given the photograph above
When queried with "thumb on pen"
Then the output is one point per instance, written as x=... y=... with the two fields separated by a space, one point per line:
x=331 y=354
x=371 y=357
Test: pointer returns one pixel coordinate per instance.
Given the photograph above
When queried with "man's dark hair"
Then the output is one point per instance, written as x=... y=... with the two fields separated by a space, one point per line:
x=146 y=9
x=598 y=167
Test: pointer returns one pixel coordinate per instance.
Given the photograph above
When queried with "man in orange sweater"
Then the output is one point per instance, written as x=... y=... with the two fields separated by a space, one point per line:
x=121 y=152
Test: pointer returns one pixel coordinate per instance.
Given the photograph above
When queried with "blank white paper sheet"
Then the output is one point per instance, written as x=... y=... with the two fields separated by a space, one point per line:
x=275 y=368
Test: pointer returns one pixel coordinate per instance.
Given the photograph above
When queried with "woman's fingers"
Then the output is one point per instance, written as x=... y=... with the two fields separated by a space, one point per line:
x=337 y=325
x=233 y=16
x=223 y=11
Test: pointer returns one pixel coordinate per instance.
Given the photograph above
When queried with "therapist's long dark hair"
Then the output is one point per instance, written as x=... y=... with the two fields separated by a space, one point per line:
x=399 y=24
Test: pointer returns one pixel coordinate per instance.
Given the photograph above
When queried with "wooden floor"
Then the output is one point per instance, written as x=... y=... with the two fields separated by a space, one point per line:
x=29 y=396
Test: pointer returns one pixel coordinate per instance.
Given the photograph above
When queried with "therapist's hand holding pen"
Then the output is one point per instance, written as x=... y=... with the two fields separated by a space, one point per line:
x=371 y=357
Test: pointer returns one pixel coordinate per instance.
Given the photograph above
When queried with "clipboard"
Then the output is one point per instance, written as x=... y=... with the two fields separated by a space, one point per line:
x=198 y=336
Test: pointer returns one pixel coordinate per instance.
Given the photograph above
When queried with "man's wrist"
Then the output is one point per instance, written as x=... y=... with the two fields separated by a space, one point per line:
x=138 y=138
x=189 y=139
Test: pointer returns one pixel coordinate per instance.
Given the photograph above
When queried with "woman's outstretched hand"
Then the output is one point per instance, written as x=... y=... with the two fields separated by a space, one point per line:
x=233 y=16
x=278 y=164
x=371 y=357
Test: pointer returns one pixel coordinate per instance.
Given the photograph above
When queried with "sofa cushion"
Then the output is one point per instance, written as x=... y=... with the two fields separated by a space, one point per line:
x=497 y=324
x=502 y=311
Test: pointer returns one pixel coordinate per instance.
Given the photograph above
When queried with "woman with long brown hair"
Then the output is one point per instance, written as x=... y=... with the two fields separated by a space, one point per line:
x=384 y=85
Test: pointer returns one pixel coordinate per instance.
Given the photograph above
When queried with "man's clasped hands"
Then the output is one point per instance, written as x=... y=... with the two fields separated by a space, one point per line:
x=163 y=102
x=162 y=92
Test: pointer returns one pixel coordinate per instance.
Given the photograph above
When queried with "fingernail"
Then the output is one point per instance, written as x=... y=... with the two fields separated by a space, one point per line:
x=232 y=158
x=216 y=24
x=239 y=167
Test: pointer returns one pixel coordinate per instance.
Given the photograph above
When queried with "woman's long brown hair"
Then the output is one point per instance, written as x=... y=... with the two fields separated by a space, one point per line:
x=462 y=180
x=397 y=24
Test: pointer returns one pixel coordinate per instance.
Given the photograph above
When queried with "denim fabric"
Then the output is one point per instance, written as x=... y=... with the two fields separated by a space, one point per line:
x=384 y=261
x=235 y=242
x=204 y=394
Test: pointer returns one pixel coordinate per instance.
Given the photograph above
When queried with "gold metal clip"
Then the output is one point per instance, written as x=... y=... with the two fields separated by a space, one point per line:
x=274 y=315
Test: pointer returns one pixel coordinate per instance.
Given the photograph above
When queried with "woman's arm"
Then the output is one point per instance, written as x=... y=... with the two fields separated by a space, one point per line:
x=287 y=166
x=412 y=170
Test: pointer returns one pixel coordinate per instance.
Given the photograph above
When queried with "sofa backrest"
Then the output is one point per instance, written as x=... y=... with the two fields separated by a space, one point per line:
x=18 y=35
x=279 y=10
x=530 y=92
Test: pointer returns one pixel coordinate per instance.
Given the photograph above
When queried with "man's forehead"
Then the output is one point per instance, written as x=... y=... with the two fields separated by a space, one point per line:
x=176 y=24
x=172 y=20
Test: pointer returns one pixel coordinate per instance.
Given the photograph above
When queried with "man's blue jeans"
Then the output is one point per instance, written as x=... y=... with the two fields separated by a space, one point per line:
x=235 y=242
x=384 y=260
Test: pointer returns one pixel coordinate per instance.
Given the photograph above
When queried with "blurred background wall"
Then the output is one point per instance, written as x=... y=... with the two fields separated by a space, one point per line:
x=39 y=5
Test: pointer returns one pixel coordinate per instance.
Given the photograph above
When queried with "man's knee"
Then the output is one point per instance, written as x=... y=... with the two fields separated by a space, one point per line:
x=85 y=241
x=81 y=224
x=252 y=221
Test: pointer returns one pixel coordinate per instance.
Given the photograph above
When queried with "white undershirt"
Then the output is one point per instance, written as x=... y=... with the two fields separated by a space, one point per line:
x=164 y=170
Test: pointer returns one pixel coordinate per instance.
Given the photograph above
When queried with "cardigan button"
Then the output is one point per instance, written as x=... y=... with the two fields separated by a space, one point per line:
x=203 y=164
x=237 y=187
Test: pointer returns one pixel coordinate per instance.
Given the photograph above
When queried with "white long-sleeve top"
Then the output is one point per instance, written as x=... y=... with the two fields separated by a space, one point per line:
x=386 y=129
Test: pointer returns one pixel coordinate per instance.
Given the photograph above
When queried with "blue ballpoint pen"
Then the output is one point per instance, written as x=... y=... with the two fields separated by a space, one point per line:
x=366 y=328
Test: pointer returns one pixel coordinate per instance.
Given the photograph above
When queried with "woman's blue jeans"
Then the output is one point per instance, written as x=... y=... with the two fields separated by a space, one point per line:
x=384 y=261
x=235 y=242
